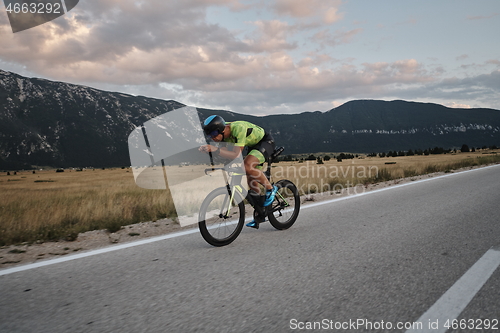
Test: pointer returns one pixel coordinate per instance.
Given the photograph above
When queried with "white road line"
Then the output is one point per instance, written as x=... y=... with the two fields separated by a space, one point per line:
x=191 y=231
x=454 y=301
x=94 y=252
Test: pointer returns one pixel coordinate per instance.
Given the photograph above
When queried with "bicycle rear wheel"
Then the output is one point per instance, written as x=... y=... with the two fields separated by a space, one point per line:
x=221 y=217
x=286 y=205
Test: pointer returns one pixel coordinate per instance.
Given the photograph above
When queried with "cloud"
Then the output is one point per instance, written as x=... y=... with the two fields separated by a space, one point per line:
x=168 y=49
x=407 y=71
x=271 y=36
x=337 y=38
x=316 y=59
x=493 y=62
x=326 y=10
x=482 y=17
x=481 y=82
x=458 y=105
x=482 y=89
x=109 y=42
x=410 y=21
x=116 y=37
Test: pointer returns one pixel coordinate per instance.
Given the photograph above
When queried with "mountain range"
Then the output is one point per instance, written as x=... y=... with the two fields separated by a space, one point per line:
x=47 y=123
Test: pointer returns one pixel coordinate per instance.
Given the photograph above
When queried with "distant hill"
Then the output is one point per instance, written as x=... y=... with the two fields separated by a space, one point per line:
x=58 y=124
x=377 y=126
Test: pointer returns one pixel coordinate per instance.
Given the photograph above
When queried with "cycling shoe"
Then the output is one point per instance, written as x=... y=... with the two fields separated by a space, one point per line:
x=270 y=194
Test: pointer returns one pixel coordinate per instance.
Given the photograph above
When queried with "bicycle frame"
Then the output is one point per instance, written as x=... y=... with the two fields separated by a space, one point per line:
x=232 y=178
x=225 y=203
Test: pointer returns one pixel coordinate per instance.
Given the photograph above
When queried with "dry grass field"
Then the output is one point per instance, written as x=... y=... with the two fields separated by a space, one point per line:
x=332 y=175
x=50 y=206
x=46 y=205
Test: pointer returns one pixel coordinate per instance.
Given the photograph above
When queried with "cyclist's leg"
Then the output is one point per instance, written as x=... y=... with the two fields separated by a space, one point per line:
x=270 y=189
x=262 y=152
x=253 y=162
x=254 y=173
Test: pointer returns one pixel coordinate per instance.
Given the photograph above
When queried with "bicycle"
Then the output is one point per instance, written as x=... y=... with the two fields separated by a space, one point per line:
x=222 y=213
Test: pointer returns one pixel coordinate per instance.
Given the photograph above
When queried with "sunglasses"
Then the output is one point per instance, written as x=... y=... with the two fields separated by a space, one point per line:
x=214 y=134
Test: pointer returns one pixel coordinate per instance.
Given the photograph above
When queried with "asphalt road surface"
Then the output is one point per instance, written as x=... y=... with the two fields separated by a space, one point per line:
x=365 y=264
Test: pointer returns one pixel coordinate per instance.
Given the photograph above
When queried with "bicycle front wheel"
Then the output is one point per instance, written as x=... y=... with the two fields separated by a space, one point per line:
x=221 y=217
x=286 y=206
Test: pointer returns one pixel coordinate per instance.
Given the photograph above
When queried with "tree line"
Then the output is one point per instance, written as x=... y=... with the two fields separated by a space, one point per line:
x=430 y=151
x=318 y=159
x=345 y=156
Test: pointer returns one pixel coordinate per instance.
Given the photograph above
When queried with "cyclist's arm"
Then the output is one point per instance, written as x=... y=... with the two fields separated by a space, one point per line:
x=232 y=153
x=226 y=153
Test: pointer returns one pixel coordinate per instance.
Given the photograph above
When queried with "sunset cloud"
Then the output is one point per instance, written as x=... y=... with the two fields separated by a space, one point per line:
x=482 y=17
x=279 y=55
x=326 y=10
x=458 y=105
x=336 y=38
x=270 y=36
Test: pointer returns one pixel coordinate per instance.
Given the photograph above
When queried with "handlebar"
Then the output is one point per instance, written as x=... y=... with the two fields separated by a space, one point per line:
x=229 y=169
x=277 y=152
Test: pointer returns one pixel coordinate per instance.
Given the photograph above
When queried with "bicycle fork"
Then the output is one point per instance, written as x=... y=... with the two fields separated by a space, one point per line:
x=228 y=200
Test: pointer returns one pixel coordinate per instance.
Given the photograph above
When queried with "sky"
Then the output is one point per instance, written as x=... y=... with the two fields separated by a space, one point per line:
x=264 y=57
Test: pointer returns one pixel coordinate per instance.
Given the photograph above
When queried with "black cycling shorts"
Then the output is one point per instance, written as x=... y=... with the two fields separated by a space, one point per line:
x=264 y=149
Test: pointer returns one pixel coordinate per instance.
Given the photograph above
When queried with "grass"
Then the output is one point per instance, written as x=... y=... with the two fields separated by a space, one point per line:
x=334 y=176
x=50 y=206
x=75 y=202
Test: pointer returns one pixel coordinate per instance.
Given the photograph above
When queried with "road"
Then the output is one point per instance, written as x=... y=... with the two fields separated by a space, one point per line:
x=384 y=257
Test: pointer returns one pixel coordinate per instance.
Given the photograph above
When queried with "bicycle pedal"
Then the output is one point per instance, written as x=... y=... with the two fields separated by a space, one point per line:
x=253 y=224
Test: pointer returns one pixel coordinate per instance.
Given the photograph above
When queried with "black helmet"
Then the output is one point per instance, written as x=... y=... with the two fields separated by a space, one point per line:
x=214 y=125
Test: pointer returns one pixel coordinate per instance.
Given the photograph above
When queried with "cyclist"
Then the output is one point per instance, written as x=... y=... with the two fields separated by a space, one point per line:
x=260 y=147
